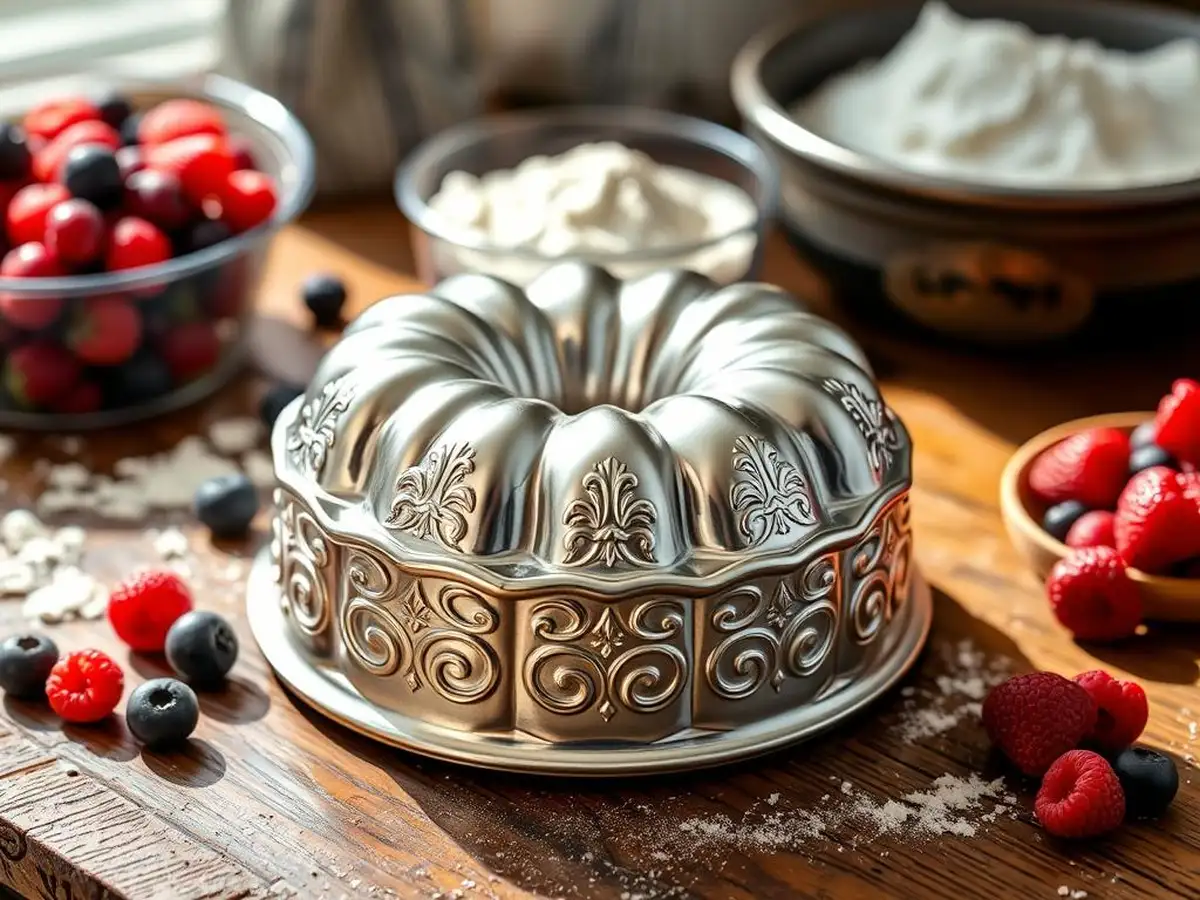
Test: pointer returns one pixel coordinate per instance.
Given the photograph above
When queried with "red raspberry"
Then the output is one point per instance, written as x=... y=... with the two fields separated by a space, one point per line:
x=85 y=686
x=1092 y=529
x=1036 y=718
x=48 y=120
x=1157 y=523
x=190 y=350
x=31 y=260
x=48 y=161
x=107 y=330
x=1080 y=796
x=135 y=242
x=1177 y=423
x=1090 y=467
x=179 y=118
x=143 y=607
x=75 y=232
x=247 y=200
x=201 y=162
x=40 y=373
x=1121 y=709
x=25 y=219
x=1092 y=597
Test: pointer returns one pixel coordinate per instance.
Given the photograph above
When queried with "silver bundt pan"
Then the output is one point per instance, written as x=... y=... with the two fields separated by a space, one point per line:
x=610 y=660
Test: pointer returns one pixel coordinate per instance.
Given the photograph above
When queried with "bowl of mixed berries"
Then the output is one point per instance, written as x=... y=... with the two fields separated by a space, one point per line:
x=135 y=222
x=1107 y=510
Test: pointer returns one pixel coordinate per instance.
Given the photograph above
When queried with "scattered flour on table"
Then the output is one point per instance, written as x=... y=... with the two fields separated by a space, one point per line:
x=959 y=693
x=1064 y=891
x=232 y=437
x=170 y=544
x=41 y=565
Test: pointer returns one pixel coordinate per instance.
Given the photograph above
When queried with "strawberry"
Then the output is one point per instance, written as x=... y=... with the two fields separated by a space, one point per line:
x=105 y=330
x=179 y=118
x=40 y=373
x=1090 y=467
x=1091 y=595
x=1157 y=522
x=1177 y=422
x=48 y=120
x=1036 y=718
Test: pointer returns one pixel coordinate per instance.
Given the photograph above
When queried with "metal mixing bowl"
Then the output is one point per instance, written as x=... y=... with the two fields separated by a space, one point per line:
x=992 y=264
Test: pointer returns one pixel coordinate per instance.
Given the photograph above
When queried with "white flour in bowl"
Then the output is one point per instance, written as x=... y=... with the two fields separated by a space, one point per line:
x=990 y=101
x=600 y=199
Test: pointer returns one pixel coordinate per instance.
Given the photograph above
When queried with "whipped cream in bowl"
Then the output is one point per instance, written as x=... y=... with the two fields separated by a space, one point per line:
x=633 y=190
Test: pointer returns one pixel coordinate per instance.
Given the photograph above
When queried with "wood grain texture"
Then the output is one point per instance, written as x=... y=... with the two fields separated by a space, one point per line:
x=269 y=799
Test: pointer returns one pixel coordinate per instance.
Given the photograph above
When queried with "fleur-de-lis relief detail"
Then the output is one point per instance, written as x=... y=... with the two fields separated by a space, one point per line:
x=873 y=418
x=313 y=433
x=608 y=635
x=770 y=494
x=611 y=524
x=432 y=499
x=414 y=612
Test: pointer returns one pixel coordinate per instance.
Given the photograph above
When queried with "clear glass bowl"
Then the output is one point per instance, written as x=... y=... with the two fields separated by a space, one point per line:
x=504 y=141
x=208 y=290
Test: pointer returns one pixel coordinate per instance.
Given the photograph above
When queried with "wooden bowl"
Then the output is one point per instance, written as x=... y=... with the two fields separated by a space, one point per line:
x=1170 y=599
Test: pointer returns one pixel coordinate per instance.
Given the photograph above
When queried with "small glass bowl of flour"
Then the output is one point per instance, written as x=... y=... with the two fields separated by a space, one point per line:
x=633 y=190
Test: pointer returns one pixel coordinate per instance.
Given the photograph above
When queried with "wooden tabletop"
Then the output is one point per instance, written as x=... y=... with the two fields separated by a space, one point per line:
x=269 y=799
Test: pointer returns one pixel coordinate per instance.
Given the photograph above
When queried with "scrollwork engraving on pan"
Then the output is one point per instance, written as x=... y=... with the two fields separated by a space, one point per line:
x=880 y=566
x=610 y=524
x=875 y=421
x=768 y=492
x=789 y=635
x=314 y=431
x=432 y=498
x=390 y=626
x=606 y=661
x=303 y=556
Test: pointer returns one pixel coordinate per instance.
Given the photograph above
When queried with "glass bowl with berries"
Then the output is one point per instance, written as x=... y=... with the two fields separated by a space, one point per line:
x=135 y=222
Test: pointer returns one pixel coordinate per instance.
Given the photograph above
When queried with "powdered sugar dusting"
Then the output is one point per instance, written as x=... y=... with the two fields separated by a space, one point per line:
x=958 y=696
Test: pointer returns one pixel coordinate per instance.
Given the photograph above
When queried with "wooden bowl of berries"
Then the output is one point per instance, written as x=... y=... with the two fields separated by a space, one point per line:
x=1107 y=509
x=134 y=224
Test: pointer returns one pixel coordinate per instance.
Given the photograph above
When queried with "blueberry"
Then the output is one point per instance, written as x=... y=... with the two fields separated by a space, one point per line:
x=325 y=295
x=227 y=505
x=1148 y=456
x=1150 y=781
x=1142 y=435
x=114 y=108
x=204 y=234
x=14 y=153
x=1060 y=517
x=162 y=711
x=129 y=129
x=275 y=400
x=91 y=173
x=201 y=647
x=142 y=379
x=25 y=664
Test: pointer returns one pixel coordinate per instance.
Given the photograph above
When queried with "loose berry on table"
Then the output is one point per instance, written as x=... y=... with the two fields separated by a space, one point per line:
x=274 y=401
x=1092 y=597
x=25 y=219
x=1090 y=466
x=1080 y=796
x=85 y=686
x=1093 y=529
x=75 y=232
x=162 y=711
x=1148 y=456
x=1149 y=779
x=1035 y=718
x=40 y=374
x=143 y=607
x=134 y=243
x=325 y=295
x=202 y=648
x=226 y=505
x=25 y=664
x=1121 y=709
x=1060 y=517
x=1177 y=422
x=92 y=173
x=1157 y=523
x=105 y=330
x=15 y=158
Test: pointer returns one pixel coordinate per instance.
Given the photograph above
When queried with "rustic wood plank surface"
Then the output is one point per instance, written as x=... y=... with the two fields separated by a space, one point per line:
x=269 y=799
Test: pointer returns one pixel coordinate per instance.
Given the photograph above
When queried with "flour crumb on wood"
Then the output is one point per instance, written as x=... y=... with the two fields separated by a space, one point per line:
x=235 y=436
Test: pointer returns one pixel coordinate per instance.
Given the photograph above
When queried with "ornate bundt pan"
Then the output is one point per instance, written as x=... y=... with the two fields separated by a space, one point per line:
x=592 y=527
